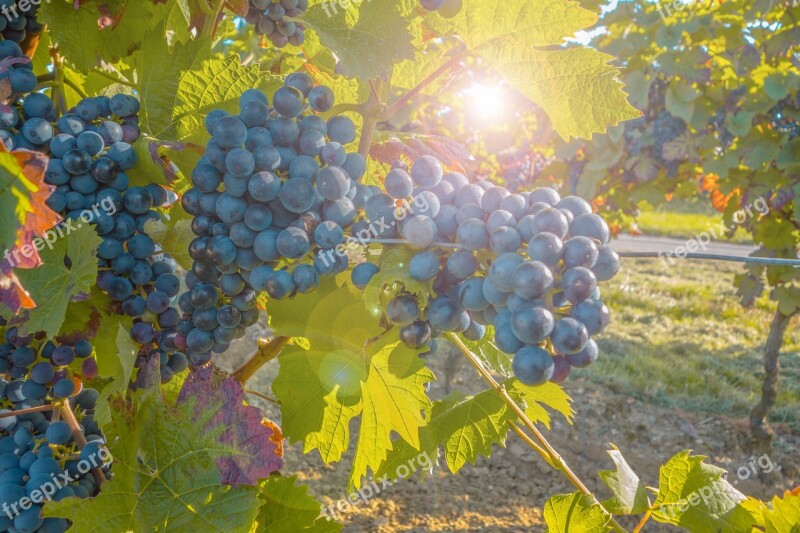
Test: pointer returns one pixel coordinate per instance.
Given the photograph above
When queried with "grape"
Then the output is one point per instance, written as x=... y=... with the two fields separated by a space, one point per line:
x=58 y=433
x=593 y=314
x=432 y=5
x=264 y=186
x=427 y=171
x=333 y=183
x=569 y=336
x=293 y=243
x=472 y=234
x=575 y=205
x=501 y=272
x=288 y=101
x=578 y=283
x=419 y=231
x=363 y=273
x=341 y=129
x=297 y=195
x=416 y=335
x=532 y=365
x=592 y=226
x=551 y=221
x=402 y=310
x=532 y=280
x=320 y=99
x=398 y=184
x=424 y=266
x=280 y=285
x=580 y=251
x=532 y=325
x=607 y=264
x=229 y=132
x=504 y=240
x=585 y=357
x=504 y=336
x=443 y=314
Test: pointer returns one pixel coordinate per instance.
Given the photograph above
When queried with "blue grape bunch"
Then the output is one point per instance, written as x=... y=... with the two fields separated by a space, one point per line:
x=538 y=289
x=272 y=199
x=35 y=448
x=91 y=153
x=269 y=17
x=445 y=8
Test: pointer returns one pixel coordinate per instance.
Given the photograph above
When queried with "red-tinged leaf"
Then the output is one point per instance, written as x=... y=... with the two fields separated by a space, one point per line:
x=12 y=294
x=42 y=218
x=412 y=146
x=244 y=428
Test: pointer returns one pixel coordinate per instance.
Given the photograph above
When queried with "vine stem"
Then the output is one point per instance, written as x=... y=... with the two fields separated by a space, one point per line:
x=642 y=522
x=545 y=449
x=37 y=409
x=371 y=113
x=79 y=437
x=113 y=78
x=262 y=396
x=268 y=349
x=397 y=105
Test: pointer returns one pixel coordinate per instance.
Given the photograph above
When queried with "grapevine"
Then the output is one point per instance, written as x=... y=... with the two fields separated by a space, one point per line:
x=378 y=189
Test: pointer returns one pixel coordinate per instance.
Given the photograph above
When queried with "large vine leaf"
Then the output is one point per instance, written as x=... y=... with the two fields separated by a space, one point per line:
x=288 y=508
x=243 y=427
x=565 y=513
x=183 y=81
x=694 y=495
x=69 y=270
x=98 y=31
x=23 y=213
x=468 y=427
x=534 y=400
x=165 y=477
x=784 y=517
x=369 y=46
x=576 y=87
x=349 y=367
x=629 y=495
x=115 y=353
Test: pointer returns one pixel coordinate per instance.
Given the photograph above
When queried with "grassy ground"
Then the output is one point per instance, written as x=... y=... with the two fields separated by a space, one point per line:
x=679 y=338
x=684 y=225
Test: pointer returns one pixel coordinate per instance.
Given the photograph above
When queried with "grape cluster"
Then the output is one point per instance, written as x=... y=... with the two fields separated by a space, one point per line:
x=445 y=8
x=19 y=73
x=37 y=449
x=91 y=152
x=527 y=264
x=18 y=24
x=269 y=19
x=275 y=185
x=780 y=116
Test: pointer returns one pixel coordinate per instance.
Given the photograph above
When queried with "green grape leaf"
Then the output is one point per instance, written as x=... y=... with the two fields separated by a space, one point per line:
x=566 y=513
x=85 y=35
x=165 y=476
x=351 y=367
x=69 y=270
x=534 y=399
x=468 y=427
x=490 y=355
x=694 y=495
x=366 y=48
x=576 y=87
x=527 y=24
x=288 y=508
x=678 y=106
x=181 y=83
x=784 y=517
x=173 y=235
x=115 y=353
x=629 y=495
x=394 y=399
